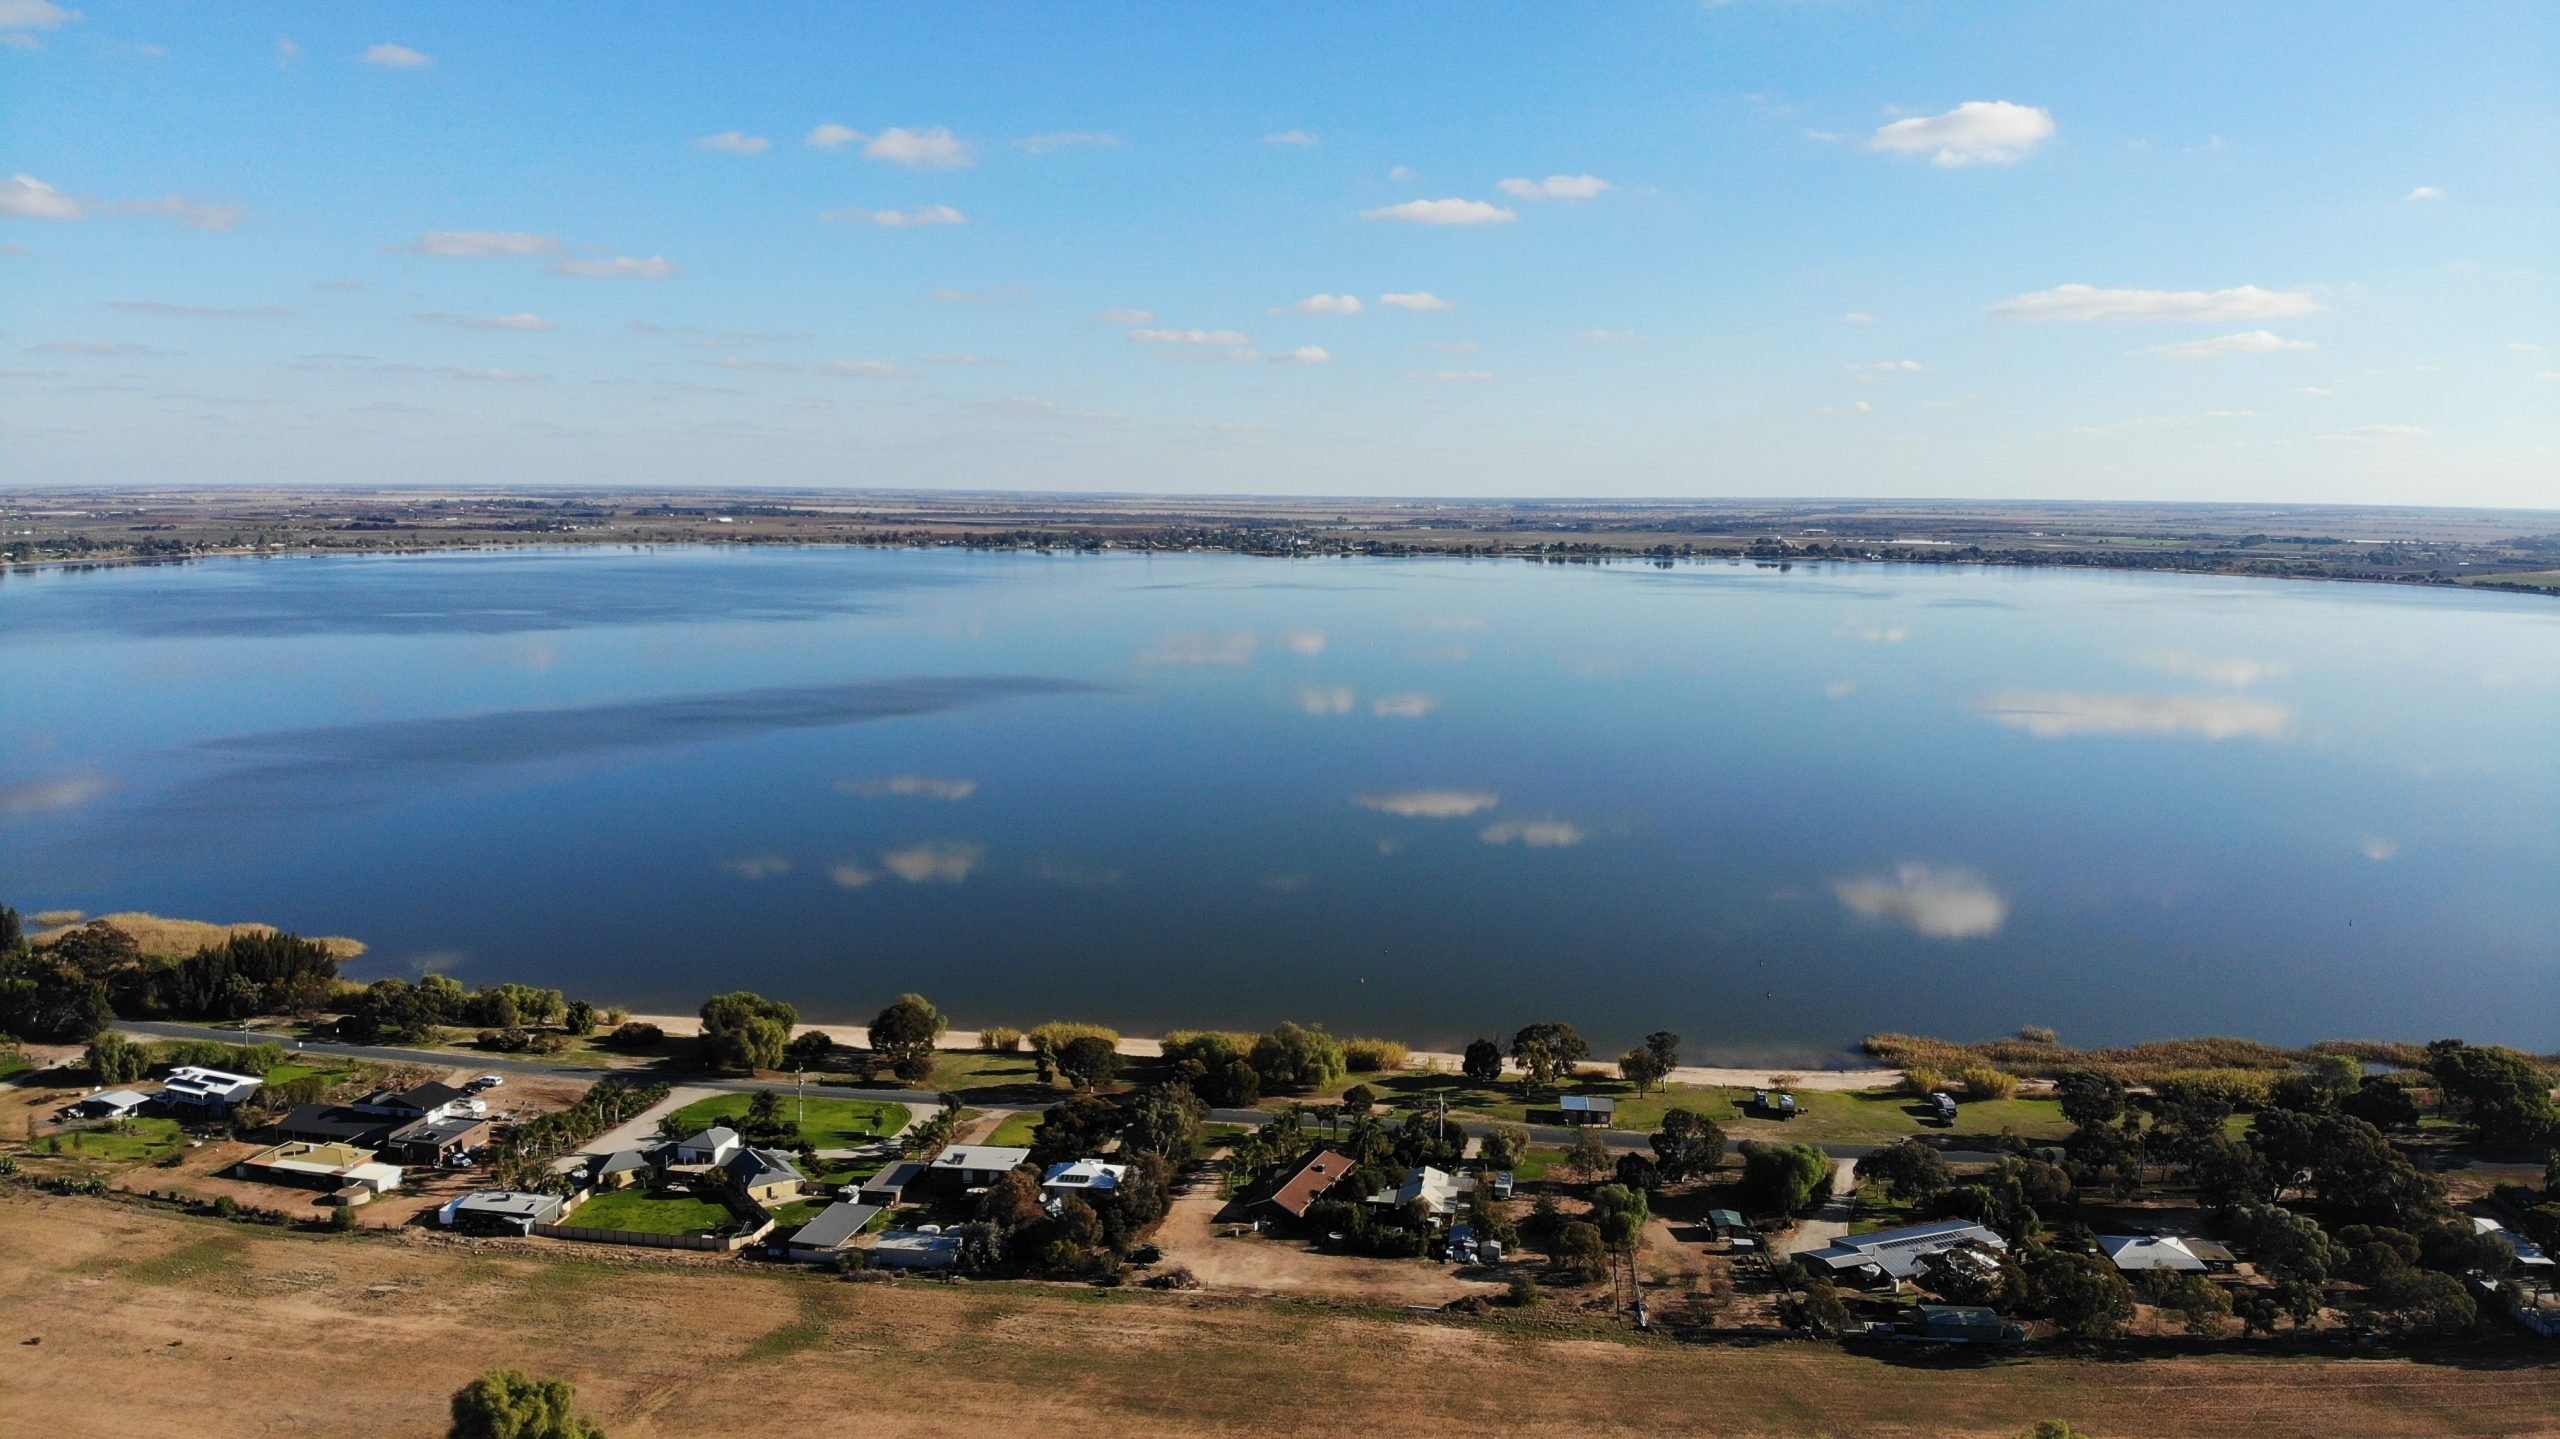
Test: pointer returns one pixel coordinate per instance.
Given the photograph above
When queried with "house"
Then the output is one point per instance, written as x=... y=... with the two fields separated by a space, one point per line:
x=708 y=1149
x=1895 y=1254
x=1726 y=1223
x=1437 y=1190
x=764 y=1175
x=340 y=1167
x=2134 y=1253
x=210 y=1091
x=1085 y=1176
x=436 y=1141
x=503 y=1211
x=1306 y=1182
x=619 y=1170
x=829 y=1231
x=2529 y=1255
x=913 y=1249
x=1589 y=1109
x=1961 y=1324
x=335 y=1124
x=107 y=1104
x=973 y=1166
x=890 y=1185
x=424 y=1101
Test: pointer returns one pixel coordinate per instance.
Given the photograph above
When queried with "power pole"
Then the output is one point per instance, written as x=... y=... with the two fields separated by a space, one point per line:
x=800 y=1082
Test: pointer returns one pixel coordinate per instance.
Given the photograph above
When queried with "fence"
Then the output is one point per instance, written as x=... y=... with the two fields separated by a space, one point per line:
x=723 y=1245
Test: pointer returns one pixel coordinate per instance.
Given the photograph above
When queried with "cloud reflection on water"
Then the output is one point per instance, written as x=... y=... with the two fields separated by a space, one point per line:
x=2064 y=714
x=1927 y=899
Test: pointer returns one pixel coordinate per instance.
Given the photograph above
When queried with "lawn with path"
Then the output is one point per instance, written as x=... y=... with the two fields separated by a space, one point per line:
x=831 y=1123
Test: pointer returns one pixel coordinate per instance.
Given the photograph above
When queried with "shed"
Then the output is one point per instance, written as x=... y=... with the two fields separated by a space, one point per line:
x=109 y=1104
x=1726 y=1221
x=1588 y=1109
x=829 y=1231
x=1964 y=1324
x=908 y=1249
x=890 y=1185
x=503 y=1211
x=434 y=1141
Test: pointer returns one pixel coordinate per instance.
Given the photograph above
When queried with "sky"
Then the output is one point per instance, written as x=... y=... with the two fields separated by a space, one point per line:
x=2267 y=252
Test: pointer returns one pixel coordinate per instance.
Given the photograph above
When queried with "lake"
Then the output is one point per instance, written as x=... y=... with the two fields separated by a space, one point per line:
x=1772 y=810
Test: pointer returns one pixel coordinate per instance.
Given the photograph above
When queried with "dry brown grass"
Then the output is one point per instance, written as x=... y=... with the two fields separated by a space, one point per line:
x=163 y=937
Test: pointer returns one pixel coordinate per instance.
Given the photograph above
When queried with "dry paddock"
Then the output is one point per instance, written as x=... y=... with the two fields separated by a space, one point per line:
x=127 y=1320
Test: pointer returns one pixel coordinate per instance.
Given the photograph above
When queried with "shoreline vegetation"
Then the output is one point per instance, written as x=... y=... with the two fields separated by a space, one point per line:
x=2516 y=550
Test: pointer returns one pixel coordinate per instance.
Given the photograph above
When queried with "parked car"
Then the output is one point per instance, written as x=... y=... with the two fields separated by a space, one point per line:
x=1944 y=1104
x=486 y=1081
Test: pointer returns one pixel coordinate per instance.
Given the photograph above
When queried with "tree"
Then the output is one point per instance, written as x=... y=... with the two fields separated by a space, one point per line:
x=1164 y=1119
x=1482 y=1063
x=1505 y=1145
x=2421 y=1301
x=1910 y=1170
x=2498 y=1090
x=1973 y=1274
x=745 y=1030
x=1779 y=1178
x=2090 y=1098
x=1589 y=1156
x=2203 y=1307
x=904 y=1034
x=1640 y=1172
x=810 y=1051
x=1580 y=1252
x=1662 y=1044
x=1642 y=1068
x=511 y=1404
x=1296 y=1057
x=1620 y=1212
x=114 y=1059
x=2084 y=1296
x=1688 y=1145
x=2287 y=1245
x=1815 y=1309
x=2381 y=1101
x=1089 y=1061
x=579 y=1017
x=1545 y=1050
x=1078 y=1127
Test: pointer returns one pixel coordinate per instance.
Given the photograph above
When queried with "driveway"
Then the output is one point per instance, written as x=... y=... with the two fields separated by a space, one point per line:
x=1831 y=1221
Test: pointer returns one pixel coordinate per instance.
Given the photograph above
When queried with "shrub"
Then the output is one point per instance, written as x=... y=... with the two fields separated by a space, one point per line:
x=1525 y=1293
x=635 y=1034
x=1000 y=1038
x=1057 y=1034
x=1371 y=1056
x=511 y=1404
x=1923 y=1080
x=1981 y=1081
x=2039 y=1034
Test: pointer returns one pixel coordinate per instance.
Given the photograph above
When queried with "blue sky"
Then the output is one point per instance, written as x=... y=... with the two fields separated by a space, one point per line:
x=2261 y=252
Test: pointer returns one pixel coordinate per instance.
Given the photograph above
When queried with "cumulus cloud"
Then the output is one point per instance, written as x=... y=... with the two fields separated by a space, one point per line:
x=1444 y=212
x=396 y=57
x=524 y=321
x=1928 y=900
x=1127 y=317
x=1304 y=355
x=1291 y=137
x=2424 y=192
x=1198 y=648
x=1889 y=367
x=932 y=148
x=27 y=198
x=2378 y=434
x=1533 y=833
x=2064 y=715
x=1189 y=337
x=757 y=866
x=2234 y=672
x=832 y=136
x=1064 y=140
x=1977 y=132
x=910 y=786
x=24 y=15
x=919 y=216
x=2088 y=302
x=1556 y=187
x=1414 y=300
x=1857 y=317
x=1323 y=304
x=734 y=142
x=947 y=862
x=619 y=267
x=485 y=244
x=1404 y=706
x=850 y=875
x=2247 y=342
x=1430 y=803
x=1327 y=699
x=43 y=796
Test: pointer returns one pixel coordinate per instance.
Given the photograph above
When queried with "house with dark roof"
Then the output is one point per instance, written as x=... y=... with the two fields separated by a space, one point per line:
x=1960 y=1324
x=890 y=1185
x=423 y=1101
x=830 y=1232
x=1597 y=1109
x=503 y=1211
x=764 y=1175
x=336 y=1124
x=435 y=1141
x=619 y=1170
x=1306 y=1182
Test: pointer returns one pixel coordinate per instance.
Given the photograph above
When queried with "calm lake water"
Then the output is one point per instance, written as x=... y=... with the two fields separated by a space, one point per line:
x=1772 y=810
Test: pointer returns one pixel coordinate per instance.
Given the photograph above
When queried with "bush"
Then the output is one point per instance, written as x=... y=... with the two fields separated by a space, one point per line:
x=2039 y=1034
x=635 y=1034
x=1000 y=1038
x=1981 y=1081
x=1057 y=1034
x=1371 y=1056
x=1783 y=1178
x=511 y=1404
x=1525 y=1293
x=1922 y=1080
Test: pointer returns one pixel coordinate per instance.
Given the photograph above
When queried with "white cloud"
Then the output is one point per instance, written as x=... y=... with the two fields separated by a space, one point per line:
x=1556 y=187
x=2316 y=392
x=1064 y=140
x=493 y=376
x=1304 y=642
x=1404 y=706
x=832 y=136
x=1323 y=304
x=2424 y=192
x=38 y=796
x=1430 y=803
x=1403 y=175
x=945 y=863
x=1889 y=367
x=2523 y=347
x=1534 y=833
x=1304 y=355
x=852 y=876
x=620 y=267
x=1328 y=700
x=1452 y=377
x=522 y=321
x=28 y=198
x=1189 y=337
x=920 y=217
x=1291 y=137
x=1444 y=212
x=1928 y=900
x=757 y=866
x=734 y=142
x=287 y=52
x=2088 y=302
x=2065 y=715
x=1977 y=132
x=1127 y=317
x=866 y=370
x=1875 y=634
x=1859 y=408
x=2247 y=342
x=2379 y=849
x=167 y=310
x=34 y=15
x=485 y=244
x=1414 y=300
x=2236 y=673
x=1609 y=337
x=958 y=357
x=1857 y=317
x=933 y=148
x=2379 y=434
x=910 y=786
x=396 y=57
x=194 y=214
x=1201 y=649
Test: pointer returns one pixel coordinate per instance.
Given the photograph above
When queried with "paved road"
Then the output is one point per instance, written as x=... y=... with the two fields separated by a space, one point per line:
x=1548 y=1134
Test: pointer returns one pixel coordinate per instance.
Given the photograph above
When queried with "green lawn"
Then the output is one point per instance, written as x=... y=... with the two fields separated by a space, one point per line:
x=1016 y=1129
x=149 y=1139
x=831 y=1123
x=293 y=1069
x=14 y=1061
x=1864 y=1116
x=1535 y=1164
x=641 y=1212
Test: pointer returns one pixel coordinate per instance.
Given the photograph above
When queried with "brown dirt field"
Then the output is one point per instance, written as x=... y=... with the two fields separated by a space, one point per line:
x=148 y=1323
x=1268 y=1266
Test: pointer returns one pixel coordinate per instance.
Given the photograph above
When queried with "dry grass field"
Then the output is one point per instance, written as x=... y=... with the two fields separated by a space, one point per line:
x=159 y=935
x=129 y=1321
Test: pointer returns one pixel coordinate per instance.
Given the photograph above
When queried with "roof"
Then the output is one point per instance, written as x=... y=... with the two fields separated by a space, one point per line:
x=832 y=1226
x=895 y=1178
x=907 y=1247
x=1587 y=1104
x=1316 y=1173
x=715 y=1139
x=982 y=1156
x=763 y=1166
x=2147 y=1251
x=1725 y=1218
x=1436 y=1187
x=118 y=1098
x=2527 y=1252
x=1898 y=1252
x=510 y=1204
x=1962 y=1318
x=330 y=1121
x=213 y=1078
x=623 y=1161
x=438 y=1132
x=188 y=1084
x=1088 y=1174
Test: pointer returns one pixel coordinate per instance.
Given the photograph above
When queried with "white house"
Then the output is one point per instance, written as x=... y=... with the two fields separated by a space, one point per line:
x=2134 y=1253
x=108 y=1104
x=1085 y=1176
x=714 y=1146
x=212 y=1090
x=1438 y=1190
x=1896 y=1253
x=975 y=1166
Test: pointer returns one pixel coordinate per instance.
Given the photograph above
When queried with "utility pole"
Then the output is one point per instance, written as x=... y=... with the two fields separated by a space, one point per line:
x=800 y=1082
